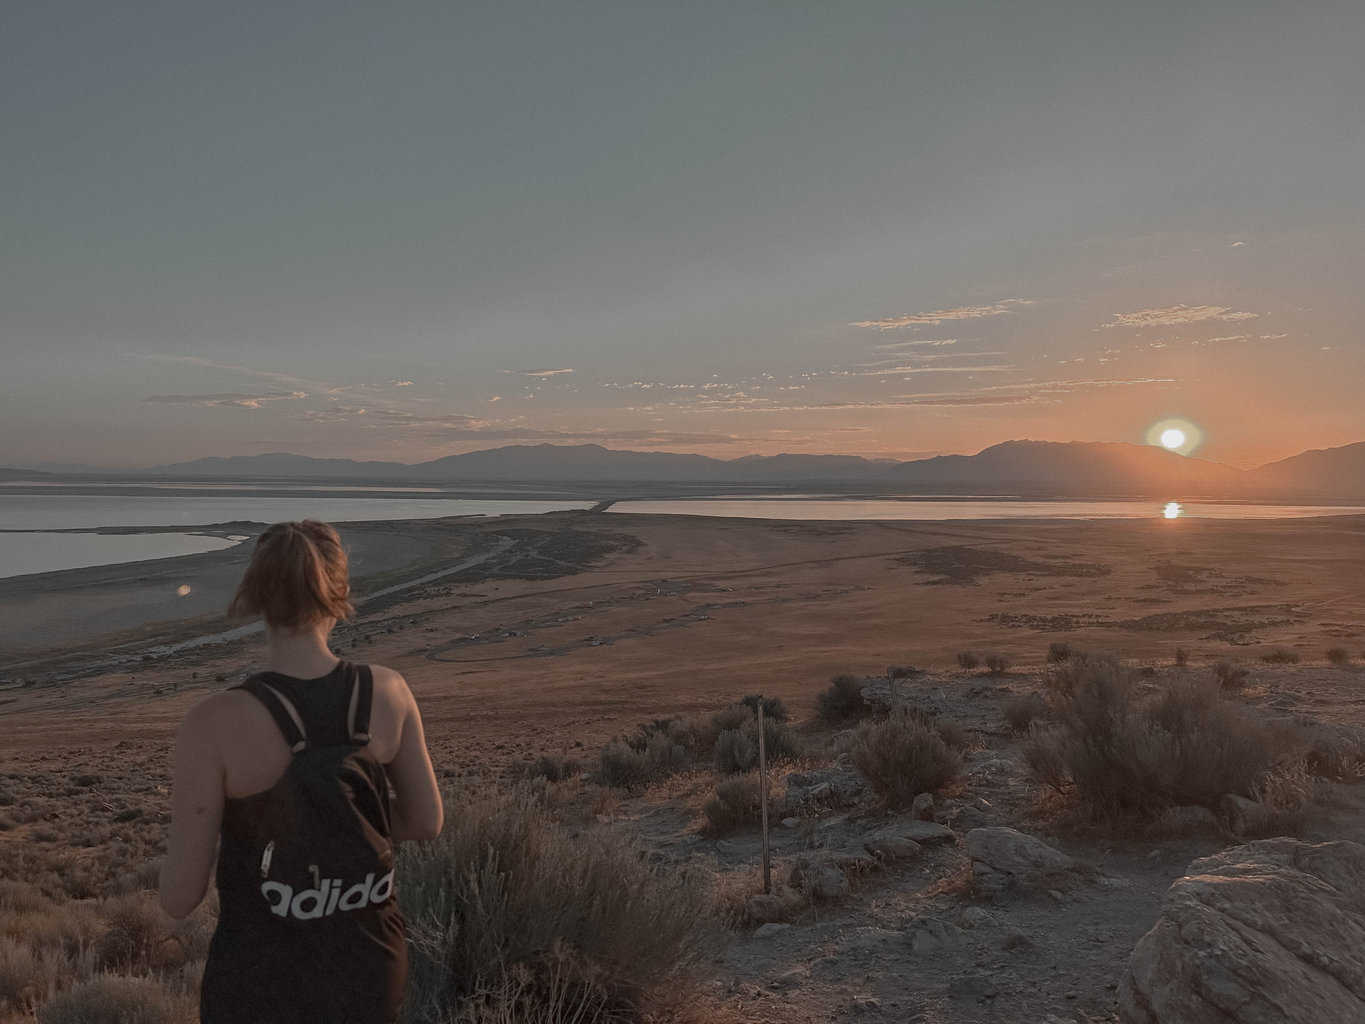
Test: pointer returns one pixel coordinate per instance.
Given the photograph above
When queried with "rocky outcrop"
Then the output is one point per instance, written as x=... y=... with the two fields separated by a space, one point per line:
x=1004 y=859
x=1272 y=932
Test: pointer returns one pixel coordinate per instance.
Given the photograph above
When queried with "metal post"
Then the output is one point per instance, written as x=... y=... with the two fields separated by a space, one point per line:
x=763 y=798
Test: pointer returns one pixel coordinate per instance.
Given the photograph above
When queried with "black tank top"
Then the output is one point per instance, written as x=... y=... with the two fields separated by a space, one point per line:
x=266 y=966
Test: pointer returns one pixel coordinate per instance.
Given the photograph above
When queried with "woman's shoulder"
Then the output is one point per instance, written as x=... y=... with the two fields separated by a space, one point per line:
x=389 y=683
x=218 y=714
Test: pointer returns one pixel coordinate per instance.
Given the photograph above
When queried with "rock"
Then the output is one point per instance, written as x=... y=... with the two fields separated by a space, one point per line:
x=976 y=917
x=923 y=807
x=926 y=833
x=1272 y=932
x=1186 y=820
x=818 y=879
x=930 y=935
x=861 y=1004
x=973 y=986
x=1003 y=858
x=888 y=844
x=1016 y=941
x=767 y=931
x=764 y=908
x=1246 y=816
x=791 y=822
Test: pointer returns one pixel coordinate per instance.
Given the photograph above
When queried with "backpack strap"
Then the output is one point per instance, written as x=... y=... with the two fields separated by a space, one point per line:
x=284 y=713
x=362 y=697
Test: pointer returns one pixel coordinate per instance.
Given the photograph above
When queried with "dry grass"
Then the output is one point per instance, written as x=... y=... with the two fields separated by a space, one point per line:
x=903 y=756
x=110 y=999
x=508 y=905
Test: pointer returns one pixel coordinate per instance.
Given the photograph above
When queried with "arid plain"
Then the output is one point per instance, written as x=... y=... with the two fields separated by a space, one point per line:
x=548 y=636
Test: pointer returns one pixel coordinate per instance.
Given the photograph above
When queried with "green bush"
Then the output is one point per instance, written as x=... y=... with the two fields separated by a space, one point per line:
x=968 y=661
x=1058 y=652
x=512 y=917
x=1339 y=656
x=997 y=664
x=902 y=757
x=1182 y=657
x=843 y=700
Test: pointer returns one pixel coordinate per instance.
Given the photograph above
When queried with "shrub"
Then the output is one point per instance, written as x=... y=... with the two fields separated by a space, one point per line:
x=622 y=765
x=1231 y=678
x=997 y=664
x=902 y=757
x=642 y=759
x=1182 y=657
x=903 y=672
x=1058 y=652
x=136 y=925
x=732 y=717
x=108 y=999
x=736 y=751
x=1021 y=711
x=737 y=802
x=1120 y=753
x=1280 y=656
x=1339 y=656
x=843 y=700
x=26 y=977
x=773 y=708
x=968 y=661
x=552 y=769
x=505 y=901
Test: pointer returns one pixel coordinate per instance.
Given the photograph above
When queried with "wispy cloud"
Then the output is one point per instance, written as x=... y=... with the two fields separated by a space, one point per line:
x=938 y=316
x=542 y=374
x=461 y=427
x=1170 y=316
x=901 y=346
x=288 y=379
x=227 y=398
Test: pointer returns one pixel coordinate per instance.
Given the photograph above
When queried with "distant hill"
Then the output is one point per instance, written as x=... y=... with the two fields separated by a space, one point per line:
x=282 y=464
x=1330 y=473
x=21 y=474
x=1073 y=468
x=545 y=463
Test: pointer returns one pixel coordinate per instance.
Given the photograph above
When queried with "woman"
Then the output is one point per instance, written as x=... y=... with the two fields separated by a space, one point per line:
x=293 y=770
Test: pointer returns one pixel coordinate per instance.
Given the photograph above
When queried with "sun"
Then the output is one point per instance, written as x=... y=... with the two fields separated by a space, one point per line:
x=1180 y=436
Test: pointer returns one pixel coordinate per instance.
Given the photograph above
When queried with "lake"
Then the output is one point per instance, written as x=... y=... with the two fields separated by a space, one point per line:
x=934 y=510
x=24 y=553
x=31 y=552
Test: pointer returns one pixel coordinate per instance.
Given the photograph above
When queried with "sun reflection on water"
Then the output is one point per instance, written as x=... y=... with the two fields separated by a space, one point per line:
x=1173 y=510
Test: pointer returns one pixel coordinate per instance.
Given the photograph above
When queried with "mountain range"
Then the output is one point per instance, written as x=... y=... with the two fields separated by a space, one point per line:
x=1074 y=469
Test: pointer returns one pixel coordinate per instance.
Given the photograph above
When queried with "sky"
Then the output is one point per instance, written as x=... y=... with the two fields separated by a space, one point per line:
x=407 y=230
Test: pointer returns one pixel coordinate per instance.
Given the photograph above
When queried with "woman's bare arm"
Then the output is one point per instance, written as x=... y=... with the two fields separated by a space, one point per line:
x=417 y=811
x=196 y=812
